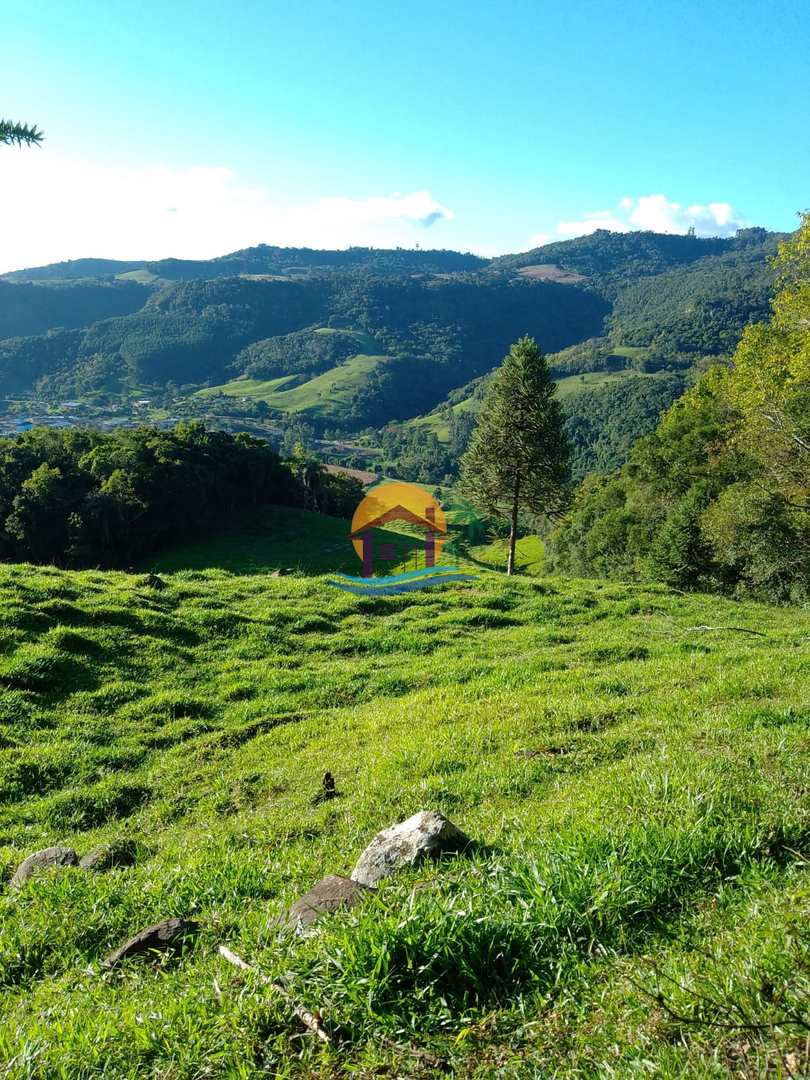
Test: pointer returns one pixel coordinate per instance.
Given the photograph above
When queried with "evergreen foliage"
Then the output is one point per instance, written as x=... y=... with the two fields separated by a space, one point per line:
x=719 y=496
x=16 y=134
x=518 y=455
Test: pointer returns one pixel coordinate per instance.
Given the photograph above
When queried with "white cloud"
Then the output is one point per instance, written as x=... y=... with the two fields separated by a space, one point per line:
x=600 y=219
x=651 y=212
x=65 y=209
x=420 y=208
x=656 y=212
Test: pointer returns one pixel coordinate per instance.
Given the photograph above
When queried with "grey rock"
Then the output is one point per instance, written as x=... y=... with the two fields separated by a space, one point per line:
x=41 y=860
x=169 y=934
x=427 y=834
x=332 y=893
x=118 y=853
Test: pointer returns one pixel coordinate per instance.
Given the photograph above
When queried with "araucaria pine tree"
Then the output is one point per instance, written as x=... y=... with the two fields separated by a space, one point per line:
x=519 y=453
x=14 y=134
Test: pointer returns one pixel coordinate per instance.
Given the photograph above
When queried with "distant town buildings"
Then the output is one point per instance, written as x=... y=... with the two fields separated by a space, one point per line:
x=16 y=425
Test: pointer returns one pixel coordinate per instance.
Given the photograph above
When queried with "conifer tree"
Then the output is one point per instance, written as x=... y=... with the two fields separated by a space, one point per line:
x=13 y=134
x=518 y=457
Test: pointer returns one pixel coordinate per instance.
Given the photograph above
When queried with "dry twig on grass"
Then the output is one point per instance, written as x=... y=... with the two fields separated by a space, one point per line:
x=308 y=1019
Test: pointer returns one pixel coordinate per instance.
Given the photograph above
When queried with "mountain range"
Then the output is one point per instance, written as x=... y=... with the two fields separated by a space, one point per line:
x=364 y=337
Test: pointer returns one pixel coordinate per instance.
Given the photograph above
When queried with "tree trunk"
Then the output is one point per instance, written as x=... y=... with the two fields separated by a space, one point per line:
x=510 y=565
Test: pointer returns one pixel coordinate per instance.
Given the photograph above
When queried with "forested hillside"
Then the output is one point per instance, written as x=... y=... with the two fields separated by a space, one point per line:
x=33 y=309
x=614 y=259
x=718 y=496
x=679 y=305
x=203 y=332
x=363 y=338
x=263 y=259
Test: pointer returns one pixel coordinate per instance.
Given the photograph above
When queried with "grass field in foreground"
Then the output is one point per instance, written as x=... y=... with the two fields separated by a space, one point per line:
x=637 y=785
x=275 y=538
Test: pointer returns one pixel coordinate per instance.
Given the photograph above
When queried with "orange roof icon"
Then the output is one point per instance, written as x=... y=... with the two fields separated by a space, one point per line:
x=398 y=501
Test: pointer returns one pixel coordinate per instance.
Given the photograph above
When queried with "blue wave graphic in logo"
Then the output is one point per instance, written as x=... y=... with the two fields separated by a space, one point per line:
x=401 y=583
x=410 y=575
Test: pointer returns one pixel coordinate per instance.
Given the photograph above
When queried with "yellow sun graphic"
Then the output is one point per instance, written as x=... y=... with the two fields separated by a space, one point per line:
x=398 y=501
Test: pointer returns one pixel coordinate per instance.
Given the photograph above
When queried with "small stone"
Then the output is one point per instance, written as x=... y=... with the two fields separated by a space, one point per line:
x=169 y=934
x=118 y=853
x=427 y=834
x=153 y=581
x=332 y=893
x=41 y=860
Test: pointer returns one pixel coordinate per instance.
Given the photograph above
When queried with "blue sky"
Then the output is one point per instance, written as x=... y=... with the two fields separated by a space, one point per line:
x=195 y=128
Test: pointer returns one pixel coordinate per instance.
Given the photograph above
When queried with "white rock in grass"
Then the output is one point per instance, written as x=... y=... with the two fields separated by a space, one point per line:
x=425 y=835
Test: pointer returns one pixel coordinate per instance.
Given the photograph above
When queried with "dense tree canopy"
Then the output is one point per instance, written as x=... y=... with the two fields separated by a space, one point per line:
x=83 y=498
x=719 y=495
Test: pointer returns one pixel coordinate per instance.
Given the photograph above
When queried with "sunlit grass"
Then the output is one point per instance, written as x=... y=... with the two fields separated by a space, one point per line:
x=637 y=788
x=528 y=555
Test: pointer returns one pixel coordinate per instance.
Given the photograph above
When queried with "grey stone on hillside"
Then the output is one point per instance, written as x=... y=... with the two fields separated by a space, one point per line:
x=41 y=860
x=332 y=893
x=427 y=834
x=118 y=853
x=168 y=934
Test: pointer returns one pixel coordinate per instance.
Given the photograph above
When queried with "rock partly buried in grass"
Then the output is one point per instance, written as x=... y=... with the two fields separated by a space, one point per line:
x=427 y=834
x=171 y=935
x=332 y=893
x=108 y=856
x=152 y=581
x=42 y=860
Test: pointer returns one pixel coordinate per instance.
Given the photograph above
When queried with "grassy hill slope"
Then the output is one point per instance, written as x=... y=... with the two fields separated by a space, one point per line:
x=280 y=538
x=637 y=786
x=327 y=396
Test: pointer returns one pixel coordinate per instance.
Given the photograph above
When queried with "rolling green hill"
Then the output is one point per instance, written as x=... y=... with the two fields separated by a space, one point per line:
x=262 y=259
x=613 y=260
x=207 y=331
x=75 y=270
x=325 y=397
x=568 y=389
x=631 y=763
x=366 y=339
